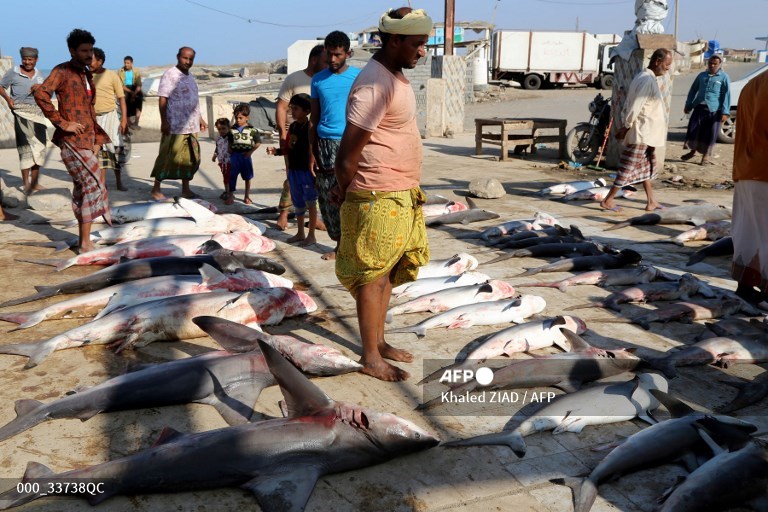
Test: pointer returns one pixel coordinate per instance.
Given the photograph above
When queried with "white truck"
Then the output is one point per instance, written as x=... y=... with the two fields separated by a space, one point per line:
x=549 y=58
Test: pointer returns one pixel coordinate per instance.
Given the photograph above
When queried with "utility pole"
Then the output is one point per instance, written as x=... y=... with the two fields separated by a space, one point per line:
x=677 y=14
x=450 y=10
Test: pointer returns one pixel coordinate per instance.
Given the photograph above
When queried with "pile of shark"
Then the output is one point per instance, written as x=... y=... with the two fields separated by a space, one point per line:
x=180 y=271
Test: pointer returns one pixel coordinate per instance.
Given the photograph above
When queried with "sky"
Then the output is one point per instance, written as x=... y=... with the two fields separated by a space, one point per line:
x=224 y=32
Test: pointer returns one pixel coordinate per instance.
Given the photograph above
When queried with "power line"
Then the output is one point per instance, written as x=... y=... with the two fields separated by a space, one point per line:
x=282 y=25
x=563 y=2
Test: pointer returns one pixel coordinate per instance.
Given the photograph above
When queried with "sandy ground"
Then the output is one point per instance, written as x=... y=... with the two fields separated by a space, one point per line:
x=440 y=479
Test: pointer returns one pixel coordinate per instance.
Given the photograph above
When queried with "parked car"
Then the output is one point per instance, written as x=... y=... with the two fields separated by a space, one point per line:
x=728 y=128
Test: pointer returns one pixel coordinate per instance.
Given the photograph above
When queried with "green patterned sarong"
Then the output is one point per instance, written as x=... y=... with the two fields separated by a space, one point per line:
x=178 y=158
x=381 y=233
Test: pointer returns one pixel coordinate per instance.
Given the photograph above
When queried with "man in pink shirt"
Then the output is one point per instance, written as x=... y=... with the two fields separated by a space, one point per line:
x=378 y=168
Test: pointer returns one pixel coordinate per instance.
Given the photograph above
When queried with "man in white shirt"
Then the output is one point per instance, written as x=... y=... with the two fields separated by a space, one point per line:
x=643 y=129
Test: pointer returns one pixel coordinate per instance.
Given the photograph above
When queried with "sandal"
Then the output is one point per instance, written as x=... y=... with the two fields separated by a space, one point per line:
x=687 y=156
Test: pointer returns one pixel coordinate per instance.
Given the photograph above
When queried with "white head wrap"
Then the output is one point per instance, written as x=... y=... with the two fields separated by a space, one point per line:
x=415 y=23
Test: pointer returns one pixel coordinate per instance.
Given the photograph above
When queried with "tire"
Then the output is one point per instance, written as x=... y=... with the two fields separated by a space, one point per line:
x=579 y=149
x=727 y=133
x=531 y=82
x=606 y=82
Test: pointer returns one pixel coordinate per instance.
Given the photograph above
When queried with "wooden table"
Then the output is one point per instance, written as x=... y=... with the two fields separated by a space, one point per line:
x=531 y=136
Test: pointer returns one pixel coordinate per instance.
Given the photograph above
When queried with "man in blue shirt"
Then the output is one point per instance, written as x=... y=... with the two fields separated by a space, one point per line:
x=329 y=91
x=710 y=101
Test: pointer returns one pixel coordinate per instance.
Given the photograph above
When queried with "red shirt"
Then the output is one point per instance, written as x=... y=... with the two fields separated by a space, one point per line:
x=73 y=87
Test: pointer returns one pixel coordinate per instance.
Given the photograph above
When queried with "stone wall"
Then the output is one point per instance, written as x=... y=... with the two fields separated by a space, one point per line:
x=453 y=70
x=7 y=135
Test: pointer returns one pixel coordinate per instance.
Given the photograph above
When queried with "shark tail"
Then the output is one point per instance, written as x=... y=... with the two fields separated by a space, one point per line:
x=415 y=329
x=584 y=306
x=51 y=262
x=513 y=439
x=58 y=246
x=36 y=352
x=14 y=498
x=43 y=292
x=618 y=225
x=584 y=491
x=501 y=258
x=28 y=414
x=15 y=317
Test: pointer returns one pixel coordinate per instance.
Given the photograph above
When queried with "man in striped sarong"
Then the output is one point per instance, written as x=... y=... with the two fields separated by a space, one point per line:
x=77 y=134
x=32 y=130
x=111 y=115
x=643 y=129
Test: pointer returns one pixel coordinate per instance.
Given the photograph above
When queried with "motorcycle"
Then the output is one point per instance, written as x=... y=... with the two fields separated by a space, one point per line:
x=585 y=139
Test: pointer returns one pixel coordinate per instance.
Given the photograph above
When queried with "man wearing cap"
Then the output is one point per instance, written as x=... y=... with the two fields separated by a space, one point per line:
x=33 y=131
x=378 y=168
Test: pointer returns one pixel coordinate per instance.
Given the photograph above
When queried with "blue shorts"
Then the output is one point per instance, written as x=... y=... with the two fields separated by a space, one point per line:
x=303 y=193
x=240 y=165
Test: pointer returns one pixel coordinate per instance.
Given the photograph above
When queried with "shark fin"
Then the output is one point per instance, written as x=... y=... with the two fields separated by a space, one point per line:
x=236 y=403
x=167 y=435
x=196 y=211
x=472 y=205
x=302 y=398
x=210 y=275
x=287 y=490
x=232 y=337
x=675 y=406
x=26 y=406
x=577 y=342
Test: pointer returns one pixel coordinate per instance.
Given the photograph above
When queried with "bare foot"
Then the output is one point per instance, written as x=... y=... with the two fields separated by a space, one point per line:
x=30 y=191
x=282 y=220
x=329 y=256
x=395 y=354
x=382 y=370
x=310 y=240
x=320 y=225
x=157 y=196
x=190 y=195
x=247 y=200
x=296 y=238
x=654 y=206
x=611 y=206
x=8 y=216
x=85 y=248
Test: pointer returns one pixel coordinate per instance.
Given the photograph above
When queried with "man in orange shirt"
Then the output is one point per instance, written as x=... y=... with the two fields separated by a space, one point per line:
x=77 y=133
x=378 y=168
x=750 y=213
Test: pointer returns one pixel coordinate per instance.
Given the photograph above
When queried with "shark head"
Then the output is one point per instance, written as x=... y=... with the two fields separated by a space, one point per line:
x=387 y=435
x=395 y=435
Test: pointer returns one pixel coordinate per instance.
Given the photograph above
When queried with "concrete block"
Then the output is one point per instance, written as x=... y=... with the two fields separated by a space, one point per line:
x=435 y=122
x=486 y=188
x=51 y=199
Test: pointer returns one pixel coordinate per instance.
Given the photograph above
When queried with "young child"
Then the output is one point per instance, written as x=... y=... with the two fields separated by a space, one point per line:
x=243 y=141
x=221 y=153
x=300 y=164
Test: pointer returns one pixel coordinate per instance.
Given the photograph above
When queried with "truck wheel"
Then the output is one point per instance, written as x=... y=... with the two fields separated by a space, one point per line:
x=582 y=144
x=532 y=82
x=606 y=82
x=727 y=133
